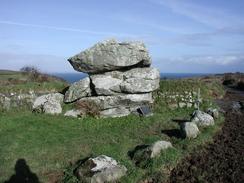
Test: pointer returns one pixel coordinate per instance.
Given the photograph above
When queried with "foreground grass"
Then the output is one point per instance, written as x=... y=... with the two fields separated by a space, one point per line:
x=49 y=143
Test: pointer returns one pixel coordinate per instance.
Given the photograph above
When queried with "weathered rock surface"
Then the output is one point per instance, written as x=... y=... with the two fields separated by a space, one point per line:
x=189 y=130
x=100 y=170
x=72 y=113
x=106 y=84
x=116 y=112
x=4 y=102
x=110 y=102
x=78 y=90
x=50 y=103
x=138 y=80
x=157 y=147
x=142 y=155
x=111 y=55
x=202 y=118
x=120 y=78
x=213 y=112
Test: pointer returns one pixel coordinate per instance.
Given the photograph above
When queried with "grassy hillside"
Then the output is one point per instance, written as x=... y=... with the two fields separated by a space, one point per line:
x=49 y=143
x=15 y=81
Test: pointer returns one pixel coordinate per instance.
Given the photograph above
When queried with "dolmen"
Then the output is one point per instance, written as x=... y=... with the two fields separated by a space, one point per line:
x=120 y=78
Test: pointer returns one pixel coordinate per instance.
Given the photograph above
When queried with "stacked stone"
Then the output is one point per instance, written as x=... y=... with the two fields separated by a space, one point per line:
x=120 y=78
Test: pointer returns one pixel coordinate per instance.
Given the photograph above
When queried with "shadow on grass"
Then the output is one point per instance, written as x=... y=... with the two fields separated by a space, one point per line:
x=132 y=153
x=173 y=133
x=23 y=174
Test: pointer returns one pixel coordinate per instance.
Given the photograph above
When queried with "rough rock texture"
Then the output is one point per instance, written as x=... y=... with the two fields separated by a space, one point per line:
x=131 y=100
x=100 y=170
x=4 y=102
x=50 y=103
x=189 y=130
x=157 y=147
x=120 y=78
x=111 y=55
x=213 y=112
x=142 y=155
x=138 y=80
x=78 y=90
x=72 y=113
x=116 y=112
x=202 y=118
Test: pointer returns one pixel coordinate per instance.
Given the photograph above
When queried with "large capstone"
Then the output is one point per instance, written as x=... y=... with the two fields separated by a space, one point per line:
x=111 y=55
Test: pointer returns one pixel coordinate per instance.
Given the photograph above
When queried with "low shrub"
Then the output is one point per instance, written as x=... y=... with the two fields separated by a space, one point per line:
x=88 y=108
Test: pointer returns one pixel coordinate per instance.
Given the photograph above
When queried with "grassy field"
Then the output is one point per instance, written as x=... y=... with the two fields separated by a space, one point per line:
x=49 y=143
x=15 y=81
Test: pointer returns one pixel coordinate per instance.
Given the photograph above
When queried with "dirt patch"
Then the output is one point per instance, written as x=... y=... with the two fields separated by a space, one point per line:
x=222 y=160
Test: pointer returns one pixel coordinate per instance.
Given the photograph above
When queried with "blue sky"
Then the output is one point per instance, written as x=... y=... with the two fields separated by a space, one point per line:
x=205 y=36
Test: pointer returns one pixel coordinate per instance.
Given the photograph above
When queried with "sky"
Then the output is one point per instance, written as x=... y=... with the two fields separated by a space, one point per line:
x=182 y=36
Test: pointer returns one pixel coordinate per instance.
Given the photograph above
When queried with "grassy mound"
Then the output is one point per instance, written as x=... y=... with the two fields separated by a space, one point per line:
x=51 y=144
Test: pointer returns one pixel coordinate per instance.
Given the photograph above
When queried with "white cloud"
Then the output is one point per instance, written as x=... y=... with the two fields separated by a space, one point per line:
x=211 y=16
x=68 y=29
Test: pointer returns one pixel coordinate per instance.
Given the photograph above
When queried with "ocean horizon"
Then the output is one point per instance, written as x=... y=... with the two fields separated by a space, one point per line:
x=73 y=77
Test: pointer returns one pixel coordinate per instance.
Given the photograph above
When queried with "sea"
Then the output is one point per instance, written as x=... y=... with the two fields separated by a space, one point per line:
x=73 y=77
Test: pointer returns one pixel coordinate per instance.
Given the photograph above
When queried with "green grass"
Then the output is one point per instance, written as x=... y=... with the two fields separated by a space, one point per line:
x=15 y=81
x=48 y=143
x=34 y=86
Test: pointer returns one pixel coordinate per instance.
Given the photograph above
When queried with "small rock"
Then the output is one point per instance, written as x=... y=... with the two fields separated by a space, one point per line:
x=157 y=147
x=182 y=104
x=73 y=113
x=202 y=118
x=142 y=155
x=5 y=102
x=50 y=103
x=189 y=130
x=115 y=112
x=213 y=112
x=100 y=170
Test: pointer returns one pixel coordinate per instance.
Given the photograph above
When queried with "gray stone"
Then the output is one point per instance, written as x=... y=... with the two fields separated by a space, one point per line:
x=157 y=147
x=73 y=113
x=130 y=100
x=106 y=84
x=138 y=80
x=52 y=107
x=111 y=55
x=103 y=169
x=202 y=118
x=189 y=129
x=50 y=103
x=182 y=104
x=213 y=112
x=5 y=102
x=78 y=90
x=115 y=112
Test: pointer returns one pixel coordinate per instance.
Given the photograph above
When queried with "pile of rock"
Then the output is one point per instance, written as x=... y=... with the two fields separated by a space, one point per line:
x=120 y=77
